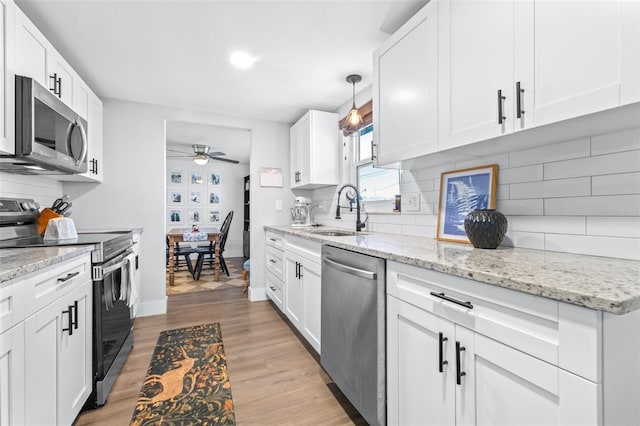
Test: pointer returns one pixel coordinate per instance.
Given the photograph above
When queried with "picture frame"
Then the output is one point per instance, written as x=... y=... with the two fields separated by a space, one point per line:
x=195 y=198
x=196 y=178
x=214 y=179
x=462 y=191
x=214 y=216
x=176 y=177
x=175 y=197
x=194 y=216
x=213 y=198
x=176 y=216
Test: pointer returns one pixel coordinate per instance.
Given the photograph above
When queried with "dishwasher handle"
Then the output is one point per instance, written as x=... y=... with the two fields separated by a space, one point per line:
x=351 y=270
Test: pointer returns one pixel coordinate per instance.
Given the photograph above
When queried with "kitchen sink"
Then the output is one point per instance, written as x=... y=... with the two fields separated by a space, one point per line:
x=334 y=233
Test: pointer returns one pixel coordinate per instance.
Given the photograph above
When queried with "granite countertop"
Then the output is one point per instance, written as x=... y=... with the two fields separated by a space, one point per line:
x=601 y=283
x=15 y=263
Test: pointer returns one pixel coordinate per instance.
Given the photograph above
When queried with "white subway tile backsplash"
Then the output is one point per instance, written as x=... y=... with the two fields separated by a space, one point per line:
x=502 y=192
x=419 y=231
x=551 y=224
x=551 y=188
x=387 y=228
x=621 y=162
x=609 y=205
x=427 y=220
x=520 y=174
x=626 y=248
x=520 y=207
x=615 y=142
x=530 y=240
x=628 y=227
x=502 y=160
x=555 y=152
x=623 y=183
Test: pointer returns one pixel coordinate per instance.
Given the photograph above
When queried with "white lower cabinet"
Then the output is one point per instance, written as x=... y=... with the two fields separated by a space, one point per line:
x=12 y=404
x=303 y=287
x=58 y=358
x=46 y=344
x=274 y=264
x=467 y=353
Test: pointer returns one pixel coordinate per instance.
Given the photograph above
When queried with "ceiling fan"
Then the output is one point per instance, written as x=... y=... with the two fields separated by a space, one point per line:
x=201 y=155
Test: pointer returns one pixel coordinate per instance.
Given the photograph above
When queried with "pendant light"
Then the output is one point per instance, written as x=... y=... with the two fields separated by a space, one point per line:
x=354 y=119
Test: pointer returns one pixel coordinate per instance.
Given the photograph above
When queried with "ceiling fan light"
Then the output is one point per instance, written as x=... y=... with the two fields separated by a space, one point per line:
x=201 y=160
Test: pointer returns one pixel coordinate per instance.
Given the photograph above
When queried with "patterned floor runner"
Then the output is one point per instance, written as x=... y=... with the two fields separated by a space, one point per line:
x=184 y=282
x=187 y=381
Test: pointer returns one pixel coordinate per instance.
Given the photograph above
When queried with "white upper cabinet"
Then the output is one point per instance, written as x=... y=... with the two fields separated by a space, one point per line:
x=62 y=79
x=574 y=60
x=405 y=96
x=476 y=70
x=7 y=85
x=509 y=65
x=314 y=150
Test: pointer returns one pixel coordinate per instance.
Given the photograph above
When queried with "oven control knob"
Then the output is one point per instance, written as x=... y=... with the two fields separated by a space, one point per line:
x=25 y=206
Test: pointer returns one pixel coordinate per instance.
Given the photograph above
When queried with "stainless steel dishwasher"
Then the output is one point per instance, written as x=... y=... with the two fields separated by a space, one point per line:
x=353 y=349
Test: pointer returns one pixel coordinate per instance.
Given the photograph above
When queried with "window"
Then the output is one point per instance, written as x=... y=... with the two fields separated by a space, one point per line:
x=374 y=184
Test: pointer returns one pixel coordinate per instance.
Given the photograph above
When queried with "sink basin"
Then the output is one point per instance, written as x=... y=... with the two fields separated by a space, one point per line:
x=334 y=233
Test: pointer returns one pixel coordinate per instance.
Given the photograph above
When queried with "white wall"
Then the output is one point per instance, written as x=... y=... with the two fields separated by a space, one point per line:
x=231 y=192
x=578 y=196
x=133 y=193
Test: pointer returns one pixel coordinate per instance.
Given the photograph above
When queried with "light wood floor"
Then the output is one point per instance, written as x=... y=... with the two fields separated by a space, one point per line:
x=274 y=377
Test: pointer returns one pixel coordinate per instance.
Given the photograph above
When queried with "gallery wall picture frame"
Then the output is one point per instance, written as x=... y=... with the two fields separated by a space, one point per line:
x=214 y=179
x=176 y=197
x=194 y=216
x=214 y=216
x=176 y=177
x=176 y=216
x=196 y=178
x=214 y=198
x=195 y=198
x=462 y=191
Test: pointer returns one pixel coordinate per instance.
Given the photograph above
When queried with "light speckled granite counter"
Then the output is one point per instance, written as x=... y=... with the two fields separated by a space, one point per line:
x=601 y=283
x=15 y=263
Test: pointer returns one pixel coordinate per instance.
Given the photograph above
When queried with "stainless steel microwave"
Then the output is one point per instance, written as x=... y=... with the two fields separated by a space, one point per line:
x=50 y=137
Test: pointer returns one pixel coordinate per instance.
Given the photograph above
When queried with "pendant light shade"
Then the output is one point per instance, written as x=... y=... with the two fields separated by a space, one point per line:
x=354 y=118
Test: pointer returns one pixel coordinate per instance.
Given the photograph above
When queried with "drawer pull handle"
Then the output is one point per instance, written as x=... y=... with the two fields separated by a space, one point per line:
x=519 y=92
x=70 y=320
x=452 y=300
x=272 y=261
x=501 y=99
x=441 y=362
x=272 y=288
x=459 y=373
x=68 y=277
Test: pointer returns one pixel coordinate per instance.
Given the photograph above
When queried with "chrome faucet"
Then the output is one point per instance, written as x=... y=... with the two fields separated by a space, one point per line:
x=359 y=225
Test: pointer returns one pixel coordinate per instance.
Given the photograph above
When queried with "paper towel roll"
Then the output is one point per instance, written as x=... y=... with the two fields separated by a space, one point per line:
x=61 y=228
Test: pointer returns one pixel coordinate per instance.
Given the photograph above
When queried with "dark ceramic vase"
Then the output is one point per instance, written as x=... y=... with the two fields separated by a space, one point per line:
x=485 y=228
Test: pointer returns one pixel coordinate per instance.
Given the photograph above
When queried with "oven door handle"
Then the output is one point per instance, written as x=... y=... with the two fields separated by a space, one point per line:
x=120 y=262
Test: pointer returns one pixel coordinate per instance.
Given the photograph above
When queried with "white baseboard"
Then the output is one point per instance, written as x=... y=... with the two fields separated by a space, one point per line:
x=155 y=307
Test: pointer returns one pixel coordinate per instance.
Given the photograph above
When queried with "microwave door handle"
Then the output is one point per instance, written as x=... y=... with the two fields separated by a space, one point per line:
x=77 y=126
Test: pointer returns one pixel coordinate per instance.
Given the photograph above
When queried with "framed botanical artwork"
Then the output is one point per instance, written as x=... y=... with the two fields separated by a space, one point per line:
x=194 y=216
x=214 y=179
x=196 y=178
x=214 y=216
x=214 y=198
x=176 y=177
x=462 y=191
x=176 y=197
x=176 y=216
x=195 y=198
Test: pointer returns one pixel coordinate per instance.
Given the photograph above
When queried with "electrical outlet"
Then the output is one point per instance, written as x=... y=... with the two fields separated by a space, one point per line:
x=411 y=201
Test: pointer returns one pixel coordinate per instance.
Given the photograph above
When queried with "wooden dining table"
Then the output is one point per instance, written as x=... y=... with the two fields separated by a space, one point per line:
x=176 y=235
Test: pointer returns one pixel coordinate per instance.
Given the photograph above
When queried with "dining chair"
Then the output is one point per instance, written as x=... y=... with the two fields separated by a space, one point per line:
x=204 y=251
x=179 y=251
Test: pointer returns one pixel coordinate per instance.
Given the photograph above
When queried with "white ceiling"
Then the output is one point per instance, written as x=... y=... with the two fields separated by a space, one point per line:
x=175 y=52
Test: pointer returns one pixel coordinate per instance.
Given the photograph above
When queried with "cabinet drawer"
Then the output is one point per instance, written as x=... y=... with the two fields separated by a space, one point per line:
x=12 y=304
x=523 y=321
x=275 y=239
x=48 y=285
x=275 y=291
x=275 y=262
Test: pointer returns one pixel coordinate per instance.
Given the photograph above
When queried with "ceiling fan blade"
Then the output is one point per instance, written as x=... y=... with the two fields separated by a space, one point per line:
x=180 y=156
x=226 y=160
x=180 y=152
x=216 y=154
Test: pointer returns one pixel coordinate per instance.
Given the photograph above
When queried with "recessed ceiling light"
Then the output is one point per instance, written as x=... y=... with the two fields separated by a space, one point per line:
x=242 y=60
